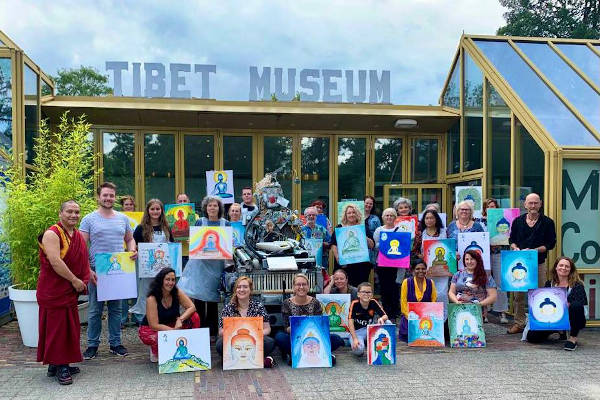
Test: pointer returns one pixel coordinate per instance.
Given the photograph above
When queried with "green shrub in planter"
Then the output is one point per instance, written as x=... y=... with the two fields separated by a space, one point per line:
x=63 y=169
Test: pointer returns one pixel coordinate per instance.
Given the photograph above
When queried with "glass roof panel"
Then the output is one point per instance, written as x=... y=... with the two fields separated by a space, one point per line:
x=576 y=90
x=585 y=59
x=452 y=94
x=557 y=119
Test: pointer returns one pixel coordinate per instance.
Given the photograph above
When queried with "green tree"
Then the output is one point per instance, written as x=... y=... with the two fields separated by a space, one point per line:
x=552 y=18
x=84 y=81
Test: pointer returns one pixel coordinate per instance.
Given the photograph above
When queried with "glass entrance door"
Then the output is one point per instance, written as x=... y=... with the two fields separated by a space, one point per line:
x=419 y=194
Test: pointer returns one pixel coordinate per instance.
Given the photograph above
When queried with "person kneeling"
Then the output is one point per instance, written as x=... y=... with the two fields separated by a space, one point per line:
x=415 y=289
x=242 y=305
x=162 y=310
x=564 y=274
x=364 y=311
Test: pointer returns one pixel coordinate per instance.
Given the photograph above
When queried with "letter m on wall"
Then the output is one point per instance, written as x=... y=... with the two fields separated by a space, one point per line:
x=592 y=183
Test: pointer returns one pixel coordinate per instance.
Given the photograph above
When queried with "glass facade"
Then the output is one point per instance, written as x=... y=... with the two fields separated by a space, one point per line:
x=388 y=167
x=315 y=170
x=159 y=166
x=530 y=166
x=473 y=115
x=499 y=151
x=198 y=158
x=237 y=156
x=555 y=117
x=118 y=160
x=581 y=95
x=46 y=89
x=31 y=112
x=424 y=157
x=585 y=59
x=5 y=104
x=451 y=96
x=352 y=163
x=453 y=145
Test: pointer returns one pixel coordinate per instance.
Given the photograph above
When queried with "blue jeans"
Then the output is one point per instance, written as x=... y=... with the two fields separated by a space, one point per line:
x=95 y=319
x=283 y=341
x=124 y=311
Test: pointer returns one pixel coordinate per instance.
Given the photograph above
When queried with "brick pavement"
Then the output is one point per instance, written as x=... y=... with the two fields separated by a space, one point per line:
x=506 y=369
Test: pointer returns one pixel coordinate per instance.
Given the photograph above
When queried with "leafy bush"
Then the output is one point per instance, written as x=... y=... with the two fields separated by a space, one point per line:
x=63 y=169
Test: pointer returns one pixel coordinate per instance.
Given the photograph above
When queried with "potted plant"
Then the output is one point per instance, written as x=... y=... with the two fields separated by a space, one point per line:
x=62 y=169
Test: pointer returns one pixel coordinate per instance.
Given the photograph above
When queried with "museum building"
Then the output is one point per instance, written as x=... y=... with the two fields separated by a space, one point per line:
x=515 y=115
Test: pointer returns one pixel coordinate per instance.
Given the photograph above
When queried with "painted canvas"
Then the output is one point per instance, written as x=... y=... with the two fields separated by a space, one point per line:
x=465 y=324
x=440 y=256
x=381 y=344
x=183 y=350
x=499 y=222
x=478 y=241
x=180 y=217
x=472 y=193
x=220 y=184
x=322 y=221
x=211 y=243
x=336 y=308
x=407 y=223
x=548 y=309
x=519 y=270
x=315 y=249
x=426 y=324
x=394 y=250
x=311 y=346
x=243 y=343
x=134 y=217
x=153 y=257
x=116 y=276
x=341 y=204
x=238 y=230
x=352 y=244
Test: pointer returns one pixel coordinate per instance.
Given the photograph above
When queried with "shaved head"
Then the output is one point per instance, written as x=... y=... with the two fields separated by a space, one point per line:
x=66 y=203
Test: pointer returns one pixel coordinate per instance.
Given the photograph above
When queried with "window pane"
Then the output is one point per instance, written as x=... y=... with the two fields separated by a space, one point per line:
x=453 y=144
x=560 y=123
x=473 y=110
x=352 y=165
x=388 y=167
x=411 y=194
x=424 y=161
x=5 y=104
x=452 y=94
x=31 y=112
x=159 y=166
x=531 y=160
x=499 y=126
x=46 y=89
x=237 y=156
x=575 y=89
x=278 y=154
x=315 y=170
x=431 y=195
x=198 y=158
x=584 y=58
x=119 y=156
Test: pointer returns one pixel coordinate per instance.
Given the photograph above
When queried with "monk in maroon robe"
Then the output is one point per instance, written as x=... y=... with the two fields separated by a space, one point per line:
x=64 y=275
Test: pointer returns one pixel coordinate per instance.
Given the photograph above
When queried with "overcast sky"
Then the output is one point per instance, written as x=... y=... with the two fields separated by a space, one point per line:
x=413 y=39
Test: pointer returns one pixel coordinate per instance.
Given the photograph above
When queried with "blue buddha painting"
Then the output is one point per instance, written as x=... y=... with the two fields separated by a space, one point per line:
x=220 y=184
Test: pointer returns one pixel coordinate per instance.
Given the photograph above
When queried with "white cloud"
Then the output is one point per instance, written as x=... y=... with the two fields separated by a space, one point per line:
x=415 y=39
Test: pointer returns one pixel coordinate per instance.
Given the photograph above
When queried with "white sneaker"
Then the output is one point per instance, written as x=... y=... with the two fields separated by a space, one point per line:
x=503 y=319
x=153 y=357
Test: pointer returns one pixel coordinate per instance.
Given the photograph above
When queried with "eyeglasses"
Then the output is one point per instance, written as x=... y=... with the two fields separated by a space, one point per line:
x=464 y=209
x=301 y=284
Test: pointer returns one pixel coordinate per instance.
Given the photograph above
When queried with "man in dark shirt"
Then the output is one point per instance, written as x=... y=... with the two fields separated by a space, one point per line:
x=531 y=231
x=364 y=311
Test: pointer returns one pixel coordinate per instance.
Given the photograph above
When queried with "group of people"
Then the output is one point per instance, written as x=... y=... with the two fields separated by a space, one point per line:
x=67 y=270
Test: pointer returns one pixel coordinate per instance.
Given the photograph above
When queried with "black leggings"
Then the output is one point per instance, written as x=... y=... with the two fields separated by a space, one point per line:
x=390 y=290
x=208 y=312
x=576 y=318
